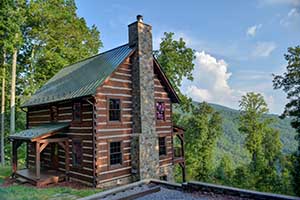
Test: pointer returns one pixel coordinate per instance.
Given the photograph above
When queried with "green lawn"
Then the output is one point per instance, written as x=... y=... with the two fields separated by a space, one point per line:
x=16 y=192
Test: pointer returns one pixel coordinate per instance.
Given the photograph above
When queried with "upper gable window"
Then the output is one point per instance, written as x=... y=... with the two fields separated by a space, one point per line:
x=160 y=110
x=77 y=112
x=53 y=113
x=114 y=110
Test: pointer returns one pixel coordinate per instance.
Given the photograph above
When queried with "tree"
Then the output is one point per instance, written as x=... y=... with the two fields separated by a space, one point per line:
x=8 y=28
x=289 y=82
x=205 y=126
x=54 y=38
x=176 y=60
x=17 y=13
x=253 y=107
x=262 y=141
x=225 y=170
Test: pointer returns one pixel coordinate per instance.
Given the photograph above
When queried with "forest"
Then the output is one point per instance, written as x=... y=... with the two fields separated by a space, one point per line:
x=38 y=38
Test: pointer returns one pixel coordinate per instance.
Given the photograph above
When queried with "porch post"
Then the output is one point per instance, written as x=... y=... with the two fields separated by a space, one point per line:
x=37 y=160
x=14 y=156
x=183 y=173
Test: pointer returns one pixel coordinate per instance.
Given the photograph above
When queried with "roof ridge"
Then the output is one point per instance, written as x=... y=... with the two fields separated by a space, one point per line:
x=84 y=59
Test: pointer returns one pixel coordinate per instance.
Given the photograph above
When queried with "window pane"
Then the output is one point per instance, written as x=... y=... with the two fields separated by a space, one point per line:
x=54 y=113
x=77 y=112
x=114 y=110
x=162 y=146
x=77 y=153
x=160 y=110
x=115 y=153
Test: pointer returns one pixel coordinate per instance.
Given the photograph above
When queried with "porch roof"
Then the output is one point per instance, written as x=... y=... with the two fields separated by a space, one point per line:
x=39 y=132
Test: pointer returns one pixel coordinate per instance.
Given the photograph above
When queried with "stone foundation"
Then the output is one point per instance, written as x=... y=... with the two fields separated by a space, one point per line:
x=167 y=171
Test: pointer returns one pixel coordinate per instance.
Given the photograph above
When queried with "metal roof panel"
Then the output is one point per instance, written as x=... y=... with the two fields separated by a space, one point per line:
x=81 y=78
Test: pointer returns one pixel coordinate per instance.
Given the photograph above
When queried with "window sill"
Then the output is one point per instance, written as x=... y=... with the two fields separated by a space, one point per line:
x=163 y=157
x=115 y=166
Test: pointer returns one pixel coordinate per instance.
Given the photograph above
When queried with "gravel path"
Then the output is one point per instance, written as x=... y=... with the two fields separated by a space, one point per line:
x=167 y=194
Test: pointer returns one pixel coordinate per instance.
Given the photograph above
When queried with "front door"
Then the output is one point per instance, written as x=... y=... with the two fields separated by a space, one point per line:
x=54 y=156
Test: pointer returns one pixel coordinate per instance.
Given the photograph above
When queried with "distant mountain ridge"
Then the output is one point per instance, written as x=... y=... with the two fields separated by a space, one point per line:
x=231 y=142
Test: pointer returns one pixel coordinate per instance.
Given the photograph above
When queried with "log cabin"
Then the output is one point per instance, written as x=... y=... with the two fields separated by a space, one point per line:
x=103 y=121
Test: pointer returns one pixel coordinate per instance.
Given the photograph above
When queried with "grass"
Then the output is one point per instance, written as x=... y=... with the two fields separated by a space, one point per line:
x=23 y=192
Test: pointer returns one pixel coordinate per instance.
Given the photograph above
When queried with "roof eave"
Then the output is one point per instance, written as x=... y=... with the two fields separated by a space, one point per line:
x=175 y=98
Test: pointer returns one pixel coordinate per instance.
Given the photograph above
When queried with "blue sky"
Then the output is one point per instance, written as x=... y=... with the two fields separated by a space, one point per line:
x=239 y=44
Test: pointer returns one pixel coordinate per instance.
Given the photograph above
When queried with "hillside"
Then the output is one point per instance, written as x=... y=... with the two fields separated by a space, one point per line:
x=231 y=142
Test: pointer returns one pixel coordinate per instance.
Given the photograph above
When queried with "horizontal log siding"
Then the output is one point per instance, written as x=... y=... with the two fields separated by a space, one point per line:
x=119 y=86
x=164 y=128
x=83 y=130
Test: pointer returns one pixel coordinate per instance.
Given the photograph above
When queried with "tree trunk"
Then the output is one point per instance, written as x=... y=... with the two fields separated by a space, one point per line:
x=3 y=110
x=13 y=92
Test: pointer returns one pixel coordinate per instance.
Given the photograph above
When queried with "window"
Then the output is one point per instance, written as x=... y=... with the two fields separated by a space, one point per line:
x=115 y=153
x=77 y=152
x=163 y=178
x=114 y=110
x=162 y=146
x=53 y=113
x=160 y=110
x=77 y=112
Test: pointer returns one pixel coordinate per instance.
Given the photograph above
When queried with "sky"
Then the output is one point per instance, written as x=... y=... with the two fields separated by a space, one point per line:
x=239 y=44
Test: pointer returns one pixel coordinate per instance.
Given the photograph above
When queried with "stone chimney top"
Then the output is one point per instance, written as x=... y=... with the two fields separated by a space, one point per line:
x=139 y=18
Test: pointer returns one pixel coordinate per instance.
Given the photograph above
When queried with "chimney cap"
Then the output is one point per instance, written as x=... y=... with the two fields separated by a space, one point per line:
x=139 y=18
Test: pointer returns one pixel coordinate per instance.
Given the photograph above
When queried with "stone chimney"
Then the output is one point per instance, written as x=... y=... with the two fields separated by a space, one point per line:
x=144 y=147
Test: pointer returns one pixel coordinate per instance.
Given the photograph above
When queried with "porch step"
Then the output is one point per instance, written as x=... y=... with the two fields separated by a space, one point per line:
x=21 y=180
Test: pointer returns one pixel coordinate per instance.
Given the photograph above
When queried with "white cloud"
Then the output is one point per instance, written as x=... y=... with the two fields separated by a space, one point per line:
x=291 y=19
x=263 y=49
x=211 y=84
x=211 y=81
x=252 y=30
x=199 y=94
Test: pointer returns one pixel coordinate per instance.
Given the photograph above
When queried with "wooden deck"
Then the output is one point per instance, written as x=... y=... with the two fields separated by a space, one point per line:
x=46 y=176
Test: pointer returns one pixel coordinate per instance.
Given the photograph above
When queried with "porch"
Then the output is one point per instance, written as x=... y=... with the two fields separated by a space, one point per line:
x=40 y=137
x=178 y=148
x=47 y=176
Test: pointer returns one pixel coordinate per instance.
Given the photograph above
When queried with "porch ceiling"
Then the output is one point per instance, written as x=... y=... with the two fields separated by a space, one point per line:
x=39 y=132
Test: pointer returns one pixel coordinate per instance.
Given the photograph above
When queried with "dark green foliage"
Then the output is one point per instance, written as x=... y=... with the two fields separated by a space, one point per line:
x=225 y=171
x=231 y=160
x=55 y=37
x=204 y=129
x=253 y=107
x=289 y=82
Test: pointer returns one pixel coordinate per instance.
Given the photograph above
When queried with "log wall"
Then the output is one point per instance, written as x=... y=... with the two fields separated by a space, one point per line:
x=164 y=127
x=119 y=86
x=79 y=130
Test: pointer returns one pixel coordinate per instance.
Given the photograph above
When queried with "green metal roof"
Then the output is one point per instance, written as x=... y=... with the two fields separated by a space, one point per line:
x=38 y=131
x=80 y=79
